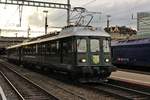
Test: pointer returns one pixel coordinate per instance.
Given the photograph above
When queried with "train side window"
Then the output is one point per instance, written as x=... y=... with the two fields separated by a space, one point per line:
x=94 y=45
x=106 y=46
x=40 y=49
x=54 y=47
x=81 y=45
x=43 y=49
x=67 y=47
x=34 y=49
x=30 y=50
x=47 y=49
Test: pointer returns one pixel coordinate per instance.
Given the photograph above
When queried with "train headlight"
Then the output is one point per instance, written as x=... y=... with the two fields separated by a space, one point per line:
x=83 y=60
x=106 y=60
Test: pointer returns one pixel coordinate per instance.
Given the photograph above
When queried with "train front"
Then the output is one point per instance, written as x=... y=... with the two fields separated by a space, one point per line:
x=94 y=57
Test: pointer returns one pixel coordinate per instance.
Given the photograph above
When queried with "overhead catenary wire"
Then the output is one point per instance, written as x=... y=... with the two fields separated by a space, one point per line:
x=91 y=1
x=119 y=12
x=62 y=15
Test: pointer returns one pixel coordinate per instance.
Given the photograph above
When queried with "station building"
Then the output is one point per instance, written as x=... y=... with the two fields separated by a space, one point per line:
x=7 y=41
x=143 y=23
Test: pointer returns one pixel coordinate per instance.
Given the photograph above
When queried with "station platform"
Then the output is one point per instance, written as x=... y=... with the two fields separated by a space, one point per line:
x=2 y=94
x=131 y=77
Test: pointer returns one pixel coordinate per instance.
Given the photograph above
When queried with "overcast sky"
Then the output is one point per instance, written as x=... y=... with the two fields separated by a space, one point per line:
x=121 y=12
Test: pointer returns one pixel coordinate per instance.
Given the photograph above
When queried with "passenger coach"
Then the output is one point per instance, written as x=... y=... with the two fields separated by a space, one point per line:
x=131 y=53
x=83 y=52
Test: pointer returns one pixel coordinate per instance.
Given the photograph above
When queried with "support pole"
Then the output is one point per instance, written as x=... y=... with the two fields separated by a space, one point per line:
x=68 y=12
x=20 y=14
x=108 y=22
x=0 y=32
x=45 y=11
x=28 y=32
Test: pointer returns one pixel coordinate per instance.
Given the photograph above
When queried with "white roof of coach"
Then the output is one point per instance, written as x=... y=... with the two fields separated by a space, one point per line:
x=70 y=31
x=83 y=31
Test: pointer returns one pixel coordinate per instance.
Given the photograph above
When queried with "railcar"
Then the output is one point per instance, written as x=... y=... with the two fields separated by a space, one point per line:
x=81 y=51
x=131 y=53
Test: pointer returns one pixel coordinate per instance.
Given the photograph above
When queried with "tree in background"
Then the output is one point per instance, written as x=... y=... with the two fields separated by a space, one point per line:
x=121 y=30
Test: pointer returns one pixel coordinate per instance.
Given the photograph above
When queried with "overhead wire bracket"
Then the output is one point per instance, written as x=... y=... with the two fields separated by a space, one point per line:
x=35 y=4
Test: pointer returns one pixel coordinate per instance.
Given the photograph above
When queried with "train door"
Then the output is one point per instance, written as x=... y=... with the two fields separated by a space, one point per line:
x=67 y=51
x=94 y=51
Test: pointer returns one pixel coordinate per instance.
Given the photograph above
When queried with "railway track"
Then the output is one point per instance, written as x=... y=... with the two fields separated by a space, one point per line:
x=71 y=94
x=105 y=90
x=113 y=89
x=121 y=91
x=24 y=88
x=61 y=89
x=19 y=96
x=66 y=90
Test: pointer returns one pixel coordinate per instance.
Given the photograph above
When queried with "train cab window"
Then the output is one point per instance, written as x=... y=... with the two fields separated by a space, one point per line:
x=106 y=46
x=94 y=45
x=81 y=45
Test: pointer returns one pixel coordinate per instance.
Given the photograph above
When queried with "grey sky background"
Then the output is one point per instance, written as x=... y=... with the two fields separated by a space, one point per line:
x=121 y=12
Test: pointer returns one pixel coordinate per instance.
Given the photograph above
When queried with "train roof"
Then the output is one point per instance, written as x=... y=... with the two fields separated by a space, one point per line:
x=67 y=32
x=131 y=42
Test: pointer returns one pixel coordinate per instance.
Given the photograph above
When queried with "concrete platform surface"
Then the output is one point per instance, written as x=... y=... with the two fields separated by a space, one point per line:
x=2 y=94
x=132 y=77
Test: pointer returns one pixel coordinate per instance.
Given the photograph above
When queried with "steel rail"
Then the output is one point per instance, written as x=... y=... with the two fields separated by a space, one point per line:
x=70 y=92
x=128 y=94
x=136 y=91
x=13 y=87
x=45 y=91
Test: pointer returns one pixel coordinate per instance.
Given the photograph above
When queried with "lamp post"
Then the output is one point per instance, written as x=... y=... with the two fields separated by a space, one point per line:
x=16 y=34
x=28 y=31
x=45 y=11
x=68 y=12
x=108 y=22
